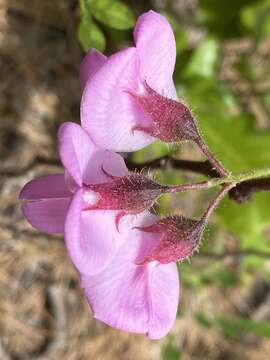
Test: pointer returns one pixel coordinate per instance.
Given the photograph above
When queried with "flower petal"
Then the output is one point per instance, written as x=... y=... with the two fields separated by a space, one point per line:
x=91 y=63
x=48 y=200
x=171 y=92
x=163 y=300
x=135 y=298
x=156 y=47
x=113 y=164
x=75 y=149
x=45 y=187
x=91 y=237
x=83 y=160
x=47 y=215
x=108 y=112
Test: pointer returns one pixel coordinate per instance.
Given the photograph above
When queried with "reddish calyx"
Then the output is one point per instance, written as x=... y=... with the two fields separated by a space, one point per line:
x=130 y=194
x=172 y=120
x=179 y=239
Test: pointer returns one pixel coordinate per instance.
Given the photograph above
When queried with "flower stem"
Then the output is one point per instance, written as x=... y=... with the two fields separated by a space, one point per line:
x=215 y=202
x=185 y=187
x=216 y=164
x=238 y=178
x=230 y=179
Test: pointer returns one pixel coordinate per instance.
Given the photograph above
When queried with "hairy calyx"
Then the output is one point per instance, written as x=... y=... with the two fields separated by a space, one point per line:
x=172 y=121
x=132 y=194
x=179 y=237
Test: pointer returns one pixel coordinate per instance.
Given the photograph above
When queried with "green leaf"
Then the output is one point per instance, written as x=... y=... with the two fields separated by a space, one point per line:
x=233 y=139
x=209 y=98
x=222 y=17
x=256 y=18
x=248 y=221
x=240 y=147
x=235 y=142
x=204 y=59
x=113 y=13
x=90 y=35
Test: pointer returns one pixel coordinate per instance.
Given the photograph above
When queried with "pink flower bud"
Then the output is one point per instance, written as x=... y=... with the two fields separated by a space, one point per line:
x=171 y=120
x=132 y=193
x=179 y=238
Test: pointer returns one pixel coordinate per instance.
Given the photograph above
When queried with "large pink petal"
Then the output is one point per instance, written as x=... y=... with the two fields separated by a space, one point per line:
x=75 y=149
x=83 y=160
x=47 y=215
x=171 y=91
x=135 y=298
x=114 y=164
x=111 y=162
x=91 y=237
x=156 y=47
x=108 y=112
x=45 y=187
x=163 y=300
x=91 y=63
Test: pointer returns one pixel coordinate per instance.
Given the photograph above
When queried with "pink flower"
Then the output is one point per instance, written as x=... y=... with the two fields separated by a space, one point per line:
x=121 y=292
x=139 y=290
x=88 y=202
x=57 y=203
x=110 y=109
x=132 y=297
x=129 y=99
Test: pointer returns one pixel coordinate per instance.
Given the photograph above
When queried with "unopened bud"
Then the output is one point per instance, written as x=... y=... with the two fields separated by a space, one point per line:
x=172 y=120
x=179 y=237
x=129 y=194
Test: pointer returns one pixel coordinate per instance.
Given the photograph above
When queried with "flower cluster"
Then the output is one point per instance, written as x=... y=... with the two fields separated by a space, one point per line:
x=126 y=256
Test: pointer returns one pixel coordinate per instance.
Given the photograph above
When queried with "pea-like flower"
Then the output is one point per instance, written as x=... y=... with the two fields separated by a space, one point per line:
x=89 y=201
x=126 y=256
x=139 y=290
x=109 y=108
x=135 y=297
x=129 y=99
x=59 y=203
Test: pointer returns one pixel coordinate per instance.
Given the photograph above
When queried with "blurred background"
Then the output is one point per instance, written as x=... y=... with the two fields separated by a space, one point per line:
x=223 y=73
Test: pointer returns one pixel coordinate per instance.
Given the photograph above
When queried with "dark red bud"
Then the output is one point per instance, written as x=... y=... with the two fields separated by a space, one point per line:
x=179 y=238
x=172 y=120
x=130 y=194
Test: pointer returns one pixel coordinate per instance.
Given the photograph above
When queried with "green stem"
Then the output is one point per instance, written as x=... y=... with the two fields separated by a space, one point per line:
x=238 y=178
x=216 y=164
x=230 y=179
